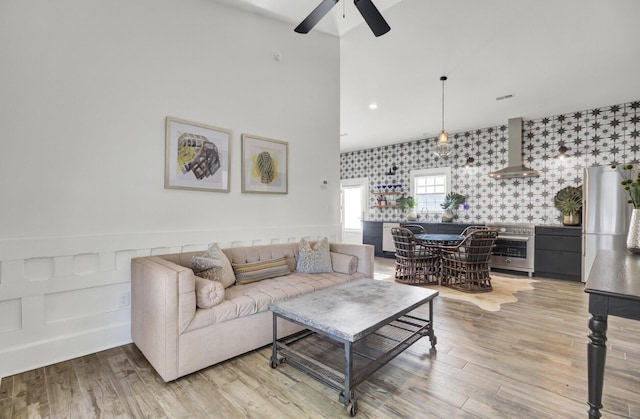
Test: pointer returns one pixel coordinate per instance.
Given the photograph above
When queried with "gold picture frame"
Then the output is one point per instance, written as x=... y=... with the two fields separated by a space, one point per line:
x=198 y=156
x=265 y=165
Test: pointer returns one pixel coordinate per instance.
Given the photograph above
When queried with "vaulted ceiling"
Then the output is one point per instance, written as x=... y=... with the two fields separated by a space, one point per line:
x=550 y=56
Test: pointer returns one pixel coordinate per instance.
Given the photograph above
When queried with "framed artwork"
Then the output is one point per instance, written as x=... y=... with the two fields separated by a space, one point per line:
x=198 y=156
x=264 y=165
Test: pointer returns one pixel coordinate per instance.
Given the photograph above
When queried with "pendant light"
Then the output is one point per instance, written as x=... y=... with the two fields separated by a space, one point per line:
x=443 y=149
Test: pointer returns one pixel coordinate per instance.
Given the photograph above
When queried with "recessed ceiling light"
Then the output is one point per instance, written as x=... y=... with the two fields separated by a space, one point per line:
x=373 y=105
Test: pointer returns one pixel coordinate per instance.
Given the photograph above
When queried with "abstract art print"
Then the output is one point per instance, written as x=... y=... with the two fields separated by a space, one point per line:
x=198 y=156
x=264 y=165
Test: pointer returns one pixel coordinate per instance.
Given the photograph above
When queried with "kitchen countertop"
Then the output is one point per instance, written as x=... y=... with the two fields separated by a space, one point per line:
x=416 y=222
x=467 y=223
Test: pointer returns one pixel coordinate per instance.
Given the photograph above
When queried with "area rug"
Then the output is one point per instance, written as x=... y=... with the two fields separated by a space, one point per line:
x=505 y=287
x=504 y=291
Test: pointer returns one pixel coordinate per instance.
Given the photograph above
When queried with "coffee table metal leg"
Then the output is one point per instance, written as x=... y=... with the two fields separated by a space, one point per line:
x=274 y=350
x=347 y=396
x=432 y=337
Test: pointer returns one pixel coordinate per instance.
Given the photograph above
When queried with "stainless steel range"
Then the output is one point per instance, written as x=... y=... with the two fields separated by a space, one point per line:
x=515 y=247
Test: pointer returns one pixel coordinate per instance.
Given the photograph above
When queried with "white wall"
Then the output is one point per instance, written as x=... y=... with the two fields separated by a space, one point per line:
x=85 y=87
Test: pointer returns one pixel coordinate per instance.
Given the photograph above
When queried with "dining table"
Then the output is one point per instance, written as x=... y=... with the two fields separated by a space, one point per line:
x=435 y=242
x=439 y=239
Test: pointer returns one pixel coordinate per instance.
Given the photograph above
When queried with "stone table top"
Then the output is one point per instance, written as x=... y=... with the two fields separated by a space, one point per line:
x=354 y=309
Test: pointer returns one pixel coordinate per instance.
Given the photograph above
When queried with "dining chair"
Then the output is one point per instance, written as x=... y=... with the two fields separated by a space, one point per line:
x=473 y=228
x=466 y=266
x=415 y=264
x=415 y=228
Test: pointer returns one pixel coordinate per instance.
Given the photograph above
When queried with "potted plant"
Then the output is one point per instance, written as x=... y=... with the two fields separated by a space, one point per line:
x=407 y=203
x=631 y=183
x=568 y=201
x=451 y=203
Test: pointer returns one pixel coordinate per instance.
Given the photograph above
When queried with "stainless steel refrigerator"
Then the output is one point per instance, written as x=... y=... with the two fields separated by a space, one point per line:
x=605 y=214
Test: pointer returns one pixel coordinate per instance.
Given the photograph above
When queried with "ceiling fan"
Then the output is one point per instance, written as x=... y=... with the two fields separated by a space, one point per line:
x=367 y=9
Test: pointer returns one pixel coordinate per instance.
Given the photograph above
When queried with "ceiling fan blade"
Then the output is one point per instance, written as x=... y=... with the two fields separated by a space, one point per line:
x=372 y=16
x=314 y=17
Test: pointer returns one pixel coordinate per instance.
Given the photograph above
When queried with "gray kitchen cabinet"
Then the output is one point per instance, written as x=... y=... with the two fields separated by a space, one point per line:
x=441 y=228
x=452 y=228
x=558 y=252
x=372 y=234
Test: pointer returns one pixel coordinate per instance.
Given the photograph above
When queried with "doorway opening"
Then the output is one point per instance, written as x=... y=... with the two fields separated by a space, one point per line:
x=353 y=204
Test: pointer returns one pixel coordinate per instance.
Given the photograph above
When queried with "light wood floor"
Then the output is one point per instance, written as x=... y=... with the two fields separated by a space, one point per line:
x=527 y=360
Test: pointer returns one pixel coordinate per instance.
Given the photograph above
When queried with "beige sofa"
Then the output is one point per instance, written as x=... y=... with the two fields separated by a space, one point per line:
x=179 y=338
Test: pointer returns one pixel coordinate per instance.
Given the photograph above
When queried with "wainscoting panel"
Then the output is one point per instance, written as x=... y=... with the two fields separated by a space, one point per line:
x=83 y=303
x=64 y=297
x=38 y=269
x=10 y=315
x=86 y=264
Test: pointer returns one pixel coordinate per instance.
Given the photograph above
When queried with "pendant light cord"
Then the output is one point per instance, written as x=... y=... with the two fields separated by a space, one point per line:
x=443 y=78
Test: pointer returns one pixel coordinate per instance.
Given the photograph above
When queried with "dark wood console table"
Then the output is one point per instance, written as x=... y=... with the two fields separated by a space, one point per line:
x=614 y=289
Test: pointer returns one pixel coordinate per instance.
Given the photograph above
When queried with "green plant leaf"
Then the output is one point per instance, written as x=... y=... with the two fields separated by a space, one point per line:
x=568 y=200
x=452 y=201
x=405 y=202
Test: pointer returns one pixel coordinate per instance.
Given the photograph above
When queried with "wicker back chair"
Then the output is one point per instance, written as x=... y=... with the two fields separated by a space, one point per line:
x=473 y=228
x=415 y=264
x=466 y=266
x=415 y=228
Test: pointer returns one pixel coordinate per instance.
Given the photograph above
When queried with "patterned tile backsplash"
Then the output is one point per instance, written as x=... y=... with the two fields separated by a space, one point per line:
x=594 y=137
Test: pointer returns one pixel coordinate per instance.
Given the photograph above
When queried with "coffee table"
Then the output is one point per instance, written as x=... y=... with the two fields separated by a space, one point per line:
x=371 y=319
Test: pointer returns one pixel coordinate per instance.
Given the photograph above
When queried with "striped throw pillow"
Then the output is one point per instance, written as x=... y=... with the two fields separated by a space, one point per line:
x=257 y=271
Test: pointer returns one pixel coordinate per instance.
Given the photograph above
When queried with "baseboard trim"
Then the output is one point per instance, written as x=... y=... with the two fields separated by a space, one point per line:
x=47 y=352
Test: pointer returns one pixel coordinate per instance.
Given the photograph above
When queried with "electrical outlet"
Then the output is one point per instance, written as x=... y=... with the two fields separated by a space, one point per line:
x=124 y=299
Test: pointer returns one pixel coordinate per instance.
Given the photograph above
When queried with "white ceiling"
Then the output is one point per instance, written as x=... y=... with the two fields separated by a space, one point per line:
x=553 y=56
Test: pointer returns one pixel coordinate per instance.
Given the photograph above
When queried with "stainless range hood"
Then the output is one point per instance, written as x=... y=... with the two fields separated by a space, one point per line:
x=515 y=168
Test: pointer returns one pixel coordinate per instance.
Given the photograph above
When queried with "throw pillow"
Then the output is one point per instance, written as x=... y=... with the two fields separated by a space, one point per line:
x=214 y=265
x=345 y=264
x=257 y=271
x=314 y=259
x=208 y=293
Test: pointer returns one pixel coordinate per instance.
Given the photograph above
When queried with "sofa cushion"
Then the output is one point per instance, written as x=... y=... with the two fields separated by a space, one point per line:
x=257 y=271
x=314 y=259
x=208 y=293
x=246 y=299
x=263 y=252
x=345 y=264
x=214 y=265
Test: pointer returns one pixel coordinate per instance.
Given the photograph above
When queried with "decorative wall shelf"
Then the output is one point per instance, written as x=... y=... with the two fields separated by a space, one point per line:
x=387 y=193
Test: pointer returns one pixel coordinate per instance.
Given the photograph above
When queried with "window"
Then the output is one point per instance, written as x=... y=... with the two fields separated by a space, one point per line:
x=429 y=187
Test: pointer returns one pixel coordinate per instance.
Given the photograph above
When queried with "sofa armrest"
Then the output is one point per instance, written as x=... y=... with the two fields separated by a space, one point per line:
x=364 y=253
x=163 y=303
